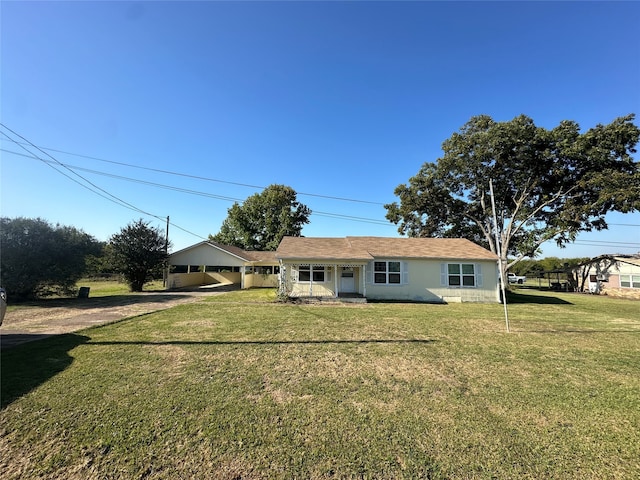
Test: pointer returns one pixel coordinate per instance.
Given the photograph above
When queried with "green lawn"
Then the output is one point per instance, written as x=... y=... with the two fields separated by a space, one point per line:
x=240 y=387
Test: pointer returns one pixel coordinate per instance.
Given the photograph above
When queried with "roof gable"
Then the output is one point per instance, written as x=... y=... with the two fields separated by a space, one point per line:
x=236 y=252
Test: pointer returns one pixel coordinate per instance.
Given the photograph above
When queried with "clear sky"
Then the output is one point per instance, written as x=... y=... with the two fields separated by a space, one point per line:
x=335 y=99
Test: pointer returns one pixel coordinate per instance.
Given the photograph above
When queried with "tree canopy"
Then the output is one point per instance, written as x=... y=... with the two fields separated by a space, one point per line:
x=263 y=220
x=138 y=252
x=548 y=184
x=39 y=258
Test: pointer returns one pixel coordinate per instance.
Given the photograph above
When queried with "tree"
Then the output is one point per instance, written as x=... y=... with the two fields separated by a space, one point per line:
x=263 y=219
x=139 y=252
x=100 y=265
x=548 y=184
x=38 y=259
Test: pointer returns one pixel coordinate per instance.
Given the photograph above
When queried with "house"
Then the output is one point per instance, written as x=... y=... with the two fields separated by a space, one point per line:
x=615 y=275
x=416 y=269
x=209 y=263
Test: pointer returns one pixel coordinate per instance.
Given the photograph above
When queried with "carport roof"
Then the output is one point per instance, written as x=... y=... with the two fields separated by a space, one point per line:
x=247 y=256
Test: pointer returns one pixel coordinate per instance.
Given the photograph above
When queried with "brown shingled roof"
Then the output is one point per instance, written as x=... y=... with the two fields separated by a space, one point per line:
x=366 y=248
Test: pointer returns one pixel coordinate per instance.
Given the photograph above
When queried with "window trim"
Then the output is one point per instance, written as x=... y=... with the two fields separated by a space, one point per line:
x=446 y=275
x=387 y=272
x=631 y=280
x=319 y=269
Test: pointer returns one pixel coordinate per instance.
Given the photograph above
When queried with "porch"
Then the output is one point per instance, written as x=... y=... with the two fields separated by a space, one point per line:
x=336 y=281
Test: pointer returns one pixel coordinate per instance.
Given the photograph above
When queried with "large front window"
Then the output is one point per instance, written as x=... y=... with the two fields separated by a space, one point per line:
x=630 y=281
x=386 y=272
x=461 y=275
x=305 y=274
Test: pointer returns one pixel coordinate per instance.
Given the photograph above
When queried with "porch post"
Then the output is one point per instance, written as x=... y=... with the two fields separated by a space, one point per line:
x=242 y=269
x=335 y=280
x=364 y=280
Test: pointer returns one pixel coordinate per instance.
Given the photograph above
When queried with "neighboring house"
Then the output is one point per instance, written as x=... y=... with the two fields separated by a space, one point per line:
x=209 y=263
x=415 y=269
x=617 y=275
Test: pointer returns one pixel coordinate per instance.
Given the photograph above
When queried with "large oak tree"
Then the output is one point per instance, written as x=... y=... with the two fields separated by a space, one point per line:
x=548 y=184
x=263 y=219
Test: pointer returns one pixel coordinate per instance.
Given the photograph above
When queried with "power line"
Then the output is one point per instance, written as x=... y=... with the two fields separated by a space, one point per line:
x=200 y=193
x=113 y=197
x=611 y=241
x=98 y=190
x=208 y=179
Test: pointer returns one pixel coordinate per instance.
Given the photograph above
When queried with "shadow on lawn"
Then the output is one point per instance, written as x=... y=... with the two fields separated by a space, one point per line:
x=514 y=298
x=29 y=365
x=102 y=302
x=259 y=342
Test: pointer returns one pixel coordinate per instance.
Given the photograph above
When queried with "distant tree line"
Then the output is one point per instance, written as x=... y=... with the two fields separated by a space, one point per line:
x=38 y=259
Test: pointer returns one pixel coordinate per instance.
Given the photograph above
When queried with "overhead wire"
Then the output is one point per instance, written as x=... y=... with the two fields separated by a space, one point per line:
x=200 y=193
x=96 y=189
x=208 y=179
x=103 y=193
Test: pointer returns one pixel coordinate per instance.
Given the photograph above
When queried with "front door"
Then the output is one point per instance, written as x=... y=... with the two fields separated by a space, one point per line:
x=347 y=280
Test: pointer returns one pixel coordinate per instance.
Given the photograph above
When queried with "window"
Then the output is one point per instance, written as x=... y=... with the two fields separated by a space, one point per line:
x=630 y=281
x=267 y=270
x=461 y=275
x=221 y=268
x=387 y=272
x=305 y=273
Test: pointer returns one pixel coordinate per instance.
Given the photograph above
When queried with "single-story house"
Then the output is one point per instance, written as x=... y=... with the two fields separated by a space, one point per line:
x=617 y=275
x=416 y=269
x=209 y=263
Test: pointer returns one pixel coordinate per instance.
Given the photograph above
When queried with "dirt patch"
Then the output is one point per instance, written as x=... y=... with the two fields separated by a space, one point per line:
x=55 y=317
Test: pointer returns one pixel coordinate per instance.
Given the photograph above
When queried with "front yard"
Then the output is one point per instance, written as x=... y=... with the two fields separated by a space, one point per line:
x=240 y=387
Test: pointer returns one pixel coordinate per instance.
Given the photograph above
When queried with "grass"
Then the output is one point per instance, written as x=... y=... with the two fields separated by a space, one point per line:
x=105 y=288
x=240 y=387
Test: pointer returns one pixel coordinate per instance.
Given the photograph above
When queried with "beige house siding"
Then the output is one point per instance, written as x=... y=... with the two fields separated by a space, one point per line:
x=205 y=255
x=181 y=280
x=424 y=284
x=259 y=280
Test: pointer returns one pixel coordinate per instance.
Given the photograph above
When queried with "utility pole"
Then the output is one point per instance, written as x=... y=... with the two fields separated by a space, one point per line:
x=499 y=250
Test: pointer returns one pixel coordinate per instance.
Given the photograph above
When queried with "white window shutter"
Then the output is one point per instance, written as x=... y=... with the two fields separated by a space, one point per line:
x=327 y=274
x=369 y=275
x=478 y=269
x=443 y=275
x=405 y=273
x=294 y=274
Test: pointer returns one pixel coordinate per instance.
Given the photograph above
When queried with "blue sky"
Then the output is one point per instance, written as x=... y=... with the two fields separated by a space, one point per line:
x=335 y=99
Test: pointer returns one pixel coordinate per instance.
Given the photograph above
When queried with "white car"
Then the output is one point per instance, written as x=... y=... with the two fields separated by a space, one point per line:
x=513 y=278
